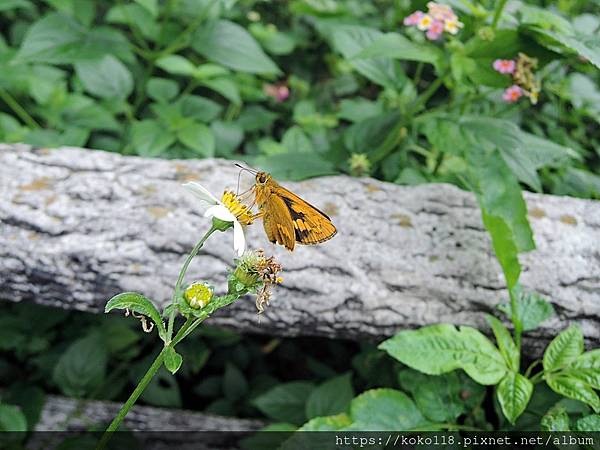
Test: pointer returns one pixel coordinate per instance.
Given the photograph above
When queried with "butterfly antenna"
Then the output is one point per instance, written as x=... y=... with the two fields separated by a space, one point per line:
x=242 y=168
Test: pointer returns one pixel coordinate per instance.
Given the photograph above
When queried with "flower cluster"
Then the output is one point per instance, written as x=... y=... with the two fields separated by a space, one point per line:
x=259 y=273
x=198 y=294
x=439 y=18
x=524 y=81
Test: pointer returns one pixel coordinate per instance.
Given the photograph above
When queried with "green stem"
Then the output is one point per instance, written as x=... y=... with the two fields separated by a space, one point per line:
x=516 y=320
x=531 y=367
x=427 y=94
x=18 y=109
x=114 y=425
x=418 y=73
x=182 y=273
x=498 y=13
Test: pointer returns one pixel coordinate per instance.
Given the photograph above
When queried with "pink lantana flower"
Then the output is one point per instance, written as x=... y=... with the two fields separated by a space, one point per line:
x=504 y=65
x=439 y=18
x=413 y=19
x=512 y=94
x=435 y=30
x=279 y=91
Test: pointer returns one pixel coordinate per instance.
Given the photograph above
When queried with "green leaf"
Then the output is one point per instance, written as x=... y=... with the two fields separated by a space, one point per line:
x=228 y=137
x=359 y=109
x=162 y=89
x=438 y=349
x=588 y=423
x=59 y=39
x=255 y=118
x=564 y=349
x=329 y=423
x=351 y=40
x=226 y=87
x=514 y=393
x=105 y=78
x=150 y=5
x=172 y=359
x=295 y=166
x=82 y=367
x=294 y=140
x=437 y=397
x=235 y=385
x=176 y=65
x=503 y=211
x=556 y=419
x=532 y=309
x=12 y=419
x=230 y=45
x=394 y=45
x=199 y=138
x=507 y=346
x=7 y=5
x=137 y=17
x=385 y=410
x=332 y=397
x=200 y=108
x=285 y=402
x=149 y=138
x=574 y=388
x=139 y=304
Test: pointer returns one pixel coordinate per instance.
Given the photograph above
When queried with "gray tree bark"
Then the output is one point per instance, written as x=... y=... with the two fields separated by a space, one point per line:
x=157 y=428
x=79 y=226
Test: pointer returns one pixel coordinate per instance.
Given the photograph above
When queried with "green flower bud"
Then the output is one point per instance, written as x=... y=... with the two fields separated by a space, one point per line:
x=198 y=295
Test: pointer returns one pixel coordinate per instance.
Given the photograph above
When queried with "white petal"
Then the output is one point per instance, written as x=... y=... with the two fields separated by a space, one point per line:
x=239 y=240
x=221 y=213
x=201 y=192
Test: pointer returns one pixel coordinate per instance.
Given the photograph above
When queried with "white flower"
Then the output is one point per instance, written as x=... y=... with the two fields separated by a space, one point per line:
x=228 y=209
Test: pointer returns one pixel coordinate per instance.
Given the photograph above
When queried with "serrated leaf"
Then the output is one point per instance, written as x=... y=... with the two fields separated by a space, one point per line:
x=588 y=423
x=139 y=304
x=385 y=410
x=514 y=393
x=556 y=419
x=438 y=349
x=332 y=397
x=505 y=343
x=230 y=45
x=564 y=349
x=172 y=359
x=532 y=309
x=574 y=388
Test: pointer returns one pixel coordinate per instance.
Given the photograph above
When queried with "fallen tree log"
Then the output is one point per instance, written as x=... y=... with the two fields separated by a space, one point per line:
x=79 y=226
x=156 y=428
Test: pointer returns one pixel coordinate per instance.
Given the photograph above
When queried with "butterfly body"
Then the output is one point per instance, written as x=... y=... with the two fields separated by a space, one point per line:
x=287 y=218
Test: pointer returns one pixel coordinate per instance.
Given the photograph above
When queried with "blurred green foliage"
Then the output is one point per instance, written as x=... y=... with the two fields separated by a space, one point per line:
x=203 y=78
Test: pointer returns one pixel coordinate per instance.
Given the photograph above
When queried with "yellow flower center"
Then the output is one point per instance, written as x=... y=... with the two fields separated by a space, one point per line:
x=242 y=212
x=198 y=295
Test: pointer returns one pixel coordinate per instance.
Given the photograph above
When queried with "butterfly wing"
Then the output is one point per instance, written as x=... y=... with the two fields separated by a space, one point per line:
x=277 y=222
x=311 y=225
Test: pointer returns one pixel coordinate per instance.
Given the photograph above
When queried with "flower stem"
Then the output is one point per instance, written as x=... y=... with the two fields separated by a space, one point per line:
x=182 y=273
x=114 y=425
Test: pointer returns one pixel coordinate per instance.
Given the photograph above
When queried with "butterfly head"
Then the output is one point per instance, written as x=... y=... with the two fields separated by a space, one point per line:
x=262 y=178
